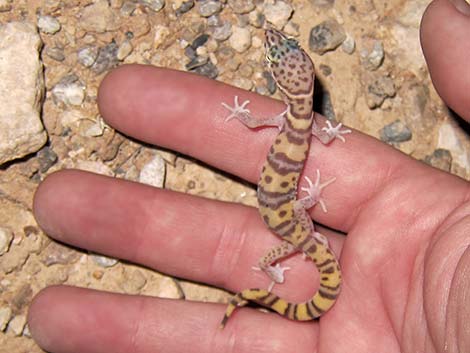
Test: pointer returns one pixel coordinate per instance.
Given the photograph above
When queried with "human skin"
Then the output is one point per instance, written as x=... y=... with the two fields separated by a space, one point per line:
x=405 y=259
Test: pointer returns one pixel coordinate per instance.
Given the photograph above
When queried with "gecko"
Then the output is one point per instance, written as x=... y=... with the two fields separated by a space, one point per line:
x=281 y=210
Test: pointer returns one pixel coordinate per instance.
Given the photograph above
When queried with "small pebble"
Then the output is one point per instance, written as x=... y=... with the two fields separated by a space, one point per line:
x=128 y=8
x=106 y=59
x=292 y=29
x=241 y=6
x=124 y=50
x=209 y=70
x=214 y=21
x=87 y=55
x=209 y=8
x=153 y=172
x=349 y=45
x=17 y=324
x=240 y=40
x=373 y=58
x=196 y=62
x=222 y=32
x=278 y=13
x=55 y=53
x=323 y=3
x=326 y=36
x=440 y=158
x=5 y=5
x=199 y=41
x=48 y=24
x=378 y=90
x=6 y=236
x=325 y=69
x=185 y=7
x=5 y=316
x=46 y=158
x=154 y=5
x=256 y=18
x=69 y=91
x=103 y=261
x=395 y=132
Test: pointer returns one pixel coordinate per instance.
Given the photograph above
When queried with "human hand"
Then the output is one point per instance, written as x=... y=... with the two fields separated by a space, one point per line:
x=405 y=260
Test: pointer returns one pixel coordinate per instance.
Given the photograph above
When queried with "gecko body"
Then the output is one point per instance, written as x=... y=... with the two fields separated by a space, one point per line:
x=281 y=210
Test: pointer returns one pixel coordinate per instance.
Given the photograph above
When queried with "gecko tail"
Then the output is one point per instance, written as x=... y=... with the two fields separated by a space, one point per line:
x=306 y=311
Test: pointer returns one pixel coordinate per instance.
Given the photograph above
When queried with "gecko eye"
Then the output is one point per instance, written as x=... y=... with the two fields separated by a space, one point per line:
x=272 y=54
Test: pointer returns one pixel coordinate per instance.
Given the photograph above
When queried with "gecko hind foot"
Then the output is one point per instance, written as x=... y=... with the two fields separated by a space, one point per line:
x=314 y=191
x=335 y=131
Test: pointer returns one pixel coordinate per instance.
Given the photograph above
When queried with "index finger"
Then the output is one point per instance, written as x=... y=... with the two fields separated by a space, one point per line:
x=183 y=112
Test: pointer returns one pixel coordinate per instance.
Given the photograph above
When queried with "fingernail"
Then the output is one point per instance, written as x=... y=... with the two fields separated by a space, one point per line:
x=462 y=6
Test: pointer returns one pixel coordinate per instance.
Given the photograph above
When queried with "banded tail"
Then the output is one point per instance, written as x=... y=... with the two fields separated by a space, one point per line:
x=322 y=300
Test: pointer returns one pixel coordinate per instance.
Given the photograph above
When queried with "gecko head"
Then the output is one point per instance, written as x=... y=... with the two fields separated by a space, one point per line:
x=290 y=65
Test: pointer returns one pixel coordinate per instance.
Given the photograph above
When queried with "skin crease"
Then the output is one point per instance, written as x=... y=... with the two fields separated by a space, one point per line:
x=405 y=261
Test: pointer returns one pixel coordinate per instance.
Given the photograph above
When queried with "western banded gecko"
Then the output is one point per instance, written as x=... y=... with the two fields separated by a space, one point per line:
x=279 y=207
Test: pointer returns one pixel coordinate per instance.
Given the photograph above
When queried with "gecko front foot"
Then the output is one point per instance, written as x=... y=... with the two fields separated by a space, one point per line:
x=237 y=111
x=314 y=191
x=335 y=131
x=276 y=273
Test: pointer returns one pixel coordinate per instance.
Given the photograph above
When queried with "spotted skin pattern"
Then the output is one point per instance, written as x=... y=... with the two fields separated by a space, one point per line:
x=280 y=209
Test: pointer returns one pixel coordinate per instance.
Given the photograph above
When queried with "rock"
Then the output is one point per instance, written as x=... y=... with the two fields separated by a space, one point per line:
x=55 y=53
x=208 y=70
x=395 y=132
x=153 y=172
x=441 y=159
x=6 y=236
x=103 y=261
x=256 y=18
x=154 y=5
x=240 y=40
x=17 y=324
x=21 y=91
x=87 y=55
x=48 y=24
x=5 y=316
x=241 y=6
x=56 y=253
x=5 y=5
x=450 y=138
x=46 y=158
x=132 y=281
x=184 y=7
x=378 y=89
x=348 y=45
x=98 y=17
x=278 y=13
x=323 y=3
x=69 y=91
x=372 y=58
x=222 y=32
x=124 y=50
x=326 y=36
x=209 y=8
x=106 y=59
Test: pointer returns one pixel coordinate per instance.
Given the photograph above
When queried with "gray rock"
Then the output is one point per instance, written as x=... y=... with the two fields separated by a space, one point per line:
x=395 y=132
x=209 y=8
x=48 y=24
x=326 y=36
x=46 y=158
x=208 y=70
x=154 y=5
x=222 y=32
x=185 y=7
x=378 y=89
x=441 y=159
x=21 y=91
x=55 y=53
x=88 y=55
x=278 y=13
x=106 y=59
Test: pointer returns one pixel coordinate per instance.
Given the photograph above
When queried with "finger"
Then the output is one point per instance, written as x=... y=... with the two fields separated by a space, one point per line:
x=182 y=111
x=444 y=38
x=71 y=320
x=178 y=234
